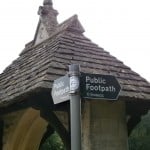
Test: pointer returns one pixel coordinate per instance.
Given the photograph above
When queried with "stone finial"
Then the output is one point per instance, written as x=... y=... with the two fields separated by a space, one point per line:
x=48 y=16
x=47 y=2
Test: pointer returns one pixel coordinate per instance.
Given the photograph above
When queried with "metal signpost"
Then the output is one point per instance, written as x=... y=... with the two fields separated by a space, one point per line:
x=75 y=107
x=91 y=86
x=65 y=88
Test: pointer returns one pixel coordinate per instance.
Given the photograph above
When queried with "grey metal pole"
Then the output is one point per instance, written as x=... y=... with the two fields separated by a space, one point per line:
x=75 y=107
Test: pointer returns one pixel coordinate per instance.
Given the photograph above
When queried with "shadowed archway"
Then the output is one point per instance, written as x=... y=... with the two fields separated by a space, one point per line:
x=28 y=132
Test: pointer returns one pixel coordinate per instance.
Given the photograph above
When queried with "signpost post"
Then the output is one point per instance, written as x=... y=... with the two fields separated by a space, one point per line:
x=75 y=107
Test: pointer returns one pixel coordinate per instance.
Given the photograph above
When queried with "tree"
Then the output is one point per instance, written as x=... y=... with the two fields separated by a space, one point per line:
x=140 y=137
x=53 y=142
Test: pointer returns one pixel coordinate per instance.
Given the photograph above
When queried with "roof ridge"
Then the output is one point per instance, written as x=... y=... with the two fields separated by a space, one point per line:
x=73 y=24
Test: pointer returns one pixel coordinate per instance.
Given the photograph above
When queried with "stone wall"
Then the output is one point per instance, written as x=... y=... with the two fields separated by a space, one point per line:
x=10 y=122
x=104 y=126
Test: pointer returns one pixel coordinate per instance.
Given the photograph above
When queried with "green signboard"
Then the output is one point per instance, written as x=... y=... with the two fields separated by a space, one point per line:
x=95 y=86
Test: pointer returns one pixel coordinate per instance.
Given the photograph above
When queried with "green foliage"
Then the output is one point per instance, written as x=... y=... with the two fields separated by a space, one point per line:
x=139 y=143
x=54 y=142
x=140 y=137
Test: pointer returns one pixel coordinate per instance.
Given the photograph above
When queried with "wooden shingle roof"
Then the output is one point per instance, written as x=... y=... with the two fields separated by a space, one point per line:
x=38 y=66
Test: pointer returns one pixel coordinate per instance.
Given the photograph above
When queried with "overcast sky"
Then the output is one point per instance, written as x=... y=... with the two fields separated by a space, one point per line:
x=121 y=27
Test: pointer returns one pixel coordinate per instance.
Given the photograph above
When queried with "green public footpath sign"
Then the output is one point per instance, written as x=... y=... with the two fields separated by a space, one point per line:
x=95 y=86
